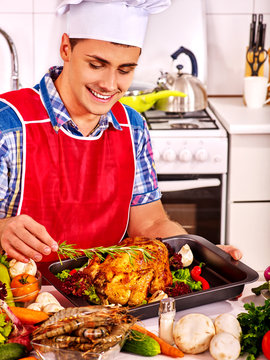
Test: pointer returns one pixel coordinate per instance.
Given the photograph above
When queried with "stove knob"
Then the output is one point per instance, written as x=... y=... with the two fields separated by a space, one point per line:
x=169 y=155
x=185 y=155
x=201 y=155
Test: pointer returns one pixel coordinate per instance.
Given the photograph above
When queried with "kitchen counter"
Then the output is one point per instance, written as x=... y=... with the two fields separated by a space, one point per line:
x=211 y=310
x=239 y=119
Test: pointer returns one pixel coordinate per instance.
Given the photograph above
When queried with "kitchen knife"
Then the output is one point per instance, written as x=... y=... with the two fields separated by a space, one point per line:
x=252 y=31
x=259 y=31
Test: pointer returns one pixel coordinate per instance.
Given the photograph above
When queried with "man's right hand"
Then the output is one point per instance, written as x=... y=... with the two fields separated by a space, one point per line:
x=23 y=238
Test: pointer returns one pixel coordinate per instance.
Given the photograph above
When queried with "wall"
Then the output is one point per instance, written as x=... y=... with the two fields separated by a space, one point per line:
x=36 y=32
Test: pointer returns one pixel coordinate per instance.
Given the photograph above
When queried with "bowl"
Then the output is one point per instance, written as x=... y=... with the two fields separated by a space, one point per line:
x=26 y=294
x=46 y=352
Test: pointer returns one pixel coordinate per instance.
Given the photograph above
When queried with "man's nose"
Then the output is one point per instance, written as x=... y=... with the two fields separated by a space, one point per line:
x=109 y=80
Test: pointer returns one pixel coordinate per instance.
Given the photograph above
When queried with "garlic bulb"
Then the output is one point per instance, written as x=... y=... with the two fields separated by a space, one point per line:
x=35 y=306
x=18 y=267
x=187 y=256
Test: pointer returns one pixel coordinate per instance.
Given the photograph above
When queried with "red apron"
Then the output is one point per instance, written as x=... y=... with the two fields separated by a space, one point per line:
x=79 y=188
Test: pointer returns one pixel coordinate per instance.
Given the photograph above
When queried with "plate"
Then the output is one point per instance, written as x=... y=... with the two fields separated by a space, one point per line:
x=227 y=277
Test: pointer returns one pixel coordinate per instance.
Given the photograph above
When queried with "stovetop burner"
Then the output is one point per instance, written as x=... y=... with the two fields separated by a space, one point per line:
x=198 y=120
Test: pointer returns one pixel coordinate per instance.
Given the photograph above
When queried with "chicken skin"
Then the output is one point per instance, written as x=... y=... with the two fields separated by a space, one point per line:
x=130 y=281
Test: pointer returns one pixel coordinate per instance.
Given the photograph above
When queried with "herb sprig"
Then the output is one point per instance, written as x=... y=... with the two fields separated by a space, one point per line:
x=70 y=251
x=254 y=324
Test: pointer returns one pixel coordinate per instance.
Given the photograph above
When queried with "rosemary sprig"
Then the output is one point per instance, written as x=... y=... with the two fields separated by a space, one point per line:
x=70 y=251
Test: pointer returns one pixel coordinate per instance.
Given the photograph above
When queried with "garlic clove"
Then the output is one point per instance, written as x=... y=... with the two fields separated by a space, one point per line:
x=44 y=298
x=187 y=255
x=157 y=296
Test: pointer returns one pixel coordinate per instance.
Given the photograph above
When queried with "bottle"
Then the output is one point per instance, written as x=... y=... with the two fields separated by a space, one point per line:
x=166 y=319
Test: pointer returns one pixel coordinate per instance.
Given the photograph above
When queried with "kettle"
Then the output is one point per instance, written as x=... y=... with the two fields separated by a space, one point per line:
x=189 y=84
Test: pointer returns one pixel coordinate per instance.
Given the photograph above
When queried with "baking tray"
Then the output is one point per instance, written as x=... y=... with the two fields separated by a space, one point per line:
x=227 y=277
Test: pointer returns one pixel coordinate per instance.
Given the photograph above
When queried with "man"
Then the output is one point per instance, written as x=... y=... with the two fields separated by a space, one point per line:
x=76 y=165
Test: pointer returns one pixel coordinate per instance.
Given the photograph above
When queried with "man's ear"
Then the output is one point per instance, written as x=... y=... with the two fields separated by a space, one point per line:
x=65 y=48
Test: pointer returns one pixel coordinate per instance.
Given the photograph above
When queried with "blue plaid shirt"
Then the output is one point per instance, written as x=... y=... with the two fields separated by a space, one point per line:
x=11 y=147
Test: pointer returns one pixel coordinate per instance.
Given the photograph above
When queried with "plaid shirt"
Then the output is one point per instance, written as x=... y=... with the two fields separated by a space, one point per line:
x=11 y=148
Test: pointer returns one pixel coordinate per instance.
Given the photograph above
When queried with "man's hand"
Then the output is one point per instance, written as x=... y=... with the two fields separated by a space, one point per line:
x=23 y=238
x=235 y=253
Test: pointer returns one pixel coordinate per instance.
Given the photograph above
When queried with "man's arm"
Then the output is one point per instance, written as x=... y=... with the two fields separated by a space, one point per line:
x=21 y=237
x=151 y=220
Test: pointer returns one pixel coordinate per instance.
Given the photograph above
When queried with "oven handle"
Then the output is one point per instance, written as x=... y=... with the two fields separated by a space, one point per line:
x=180 y=185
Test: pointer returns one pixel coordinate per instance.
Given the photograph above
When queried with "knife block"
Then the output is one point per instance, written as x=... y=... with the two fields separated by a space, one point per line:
x=248 y=68
x=268 y=89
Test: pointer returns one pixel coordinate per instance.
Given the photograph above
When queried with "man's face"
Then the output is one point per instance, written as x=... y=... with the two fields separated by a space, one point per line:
x=96 y=74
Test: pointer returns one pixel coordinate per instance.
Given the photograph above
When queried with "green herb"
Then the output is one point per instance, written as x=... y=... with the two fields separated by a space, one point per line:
x=184 y=276
x=70 y=251
x=92 y=295
x=63 y=275
x=255 y=323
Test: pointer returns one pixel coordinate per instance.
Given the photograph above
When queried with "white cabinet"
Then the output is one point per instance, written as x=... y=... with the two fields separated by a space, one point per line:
x=248 y=195
x=248 y=205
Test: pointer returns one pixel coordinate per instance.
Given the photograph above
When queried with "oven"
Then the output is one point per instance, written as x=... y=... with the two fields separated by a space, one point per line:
x=190 y=152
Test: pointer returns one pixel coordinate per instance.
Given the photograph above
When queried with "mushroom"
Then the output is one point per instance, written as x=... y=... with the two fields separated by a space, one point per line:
x=224 y=346
x=228 y=323
x=193 y=332
x=35 y=306
x=45 y=298
x=52 y=308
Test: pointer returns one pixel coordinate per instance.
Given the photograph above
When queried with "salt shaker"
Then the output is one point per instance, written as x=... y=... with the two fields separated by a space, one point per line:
x=166 y=319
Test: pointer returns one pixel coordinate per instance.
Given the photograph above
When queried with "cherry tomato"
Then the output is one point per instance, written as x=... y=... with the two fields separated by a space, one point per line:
x=266 y=345
x=24 y=284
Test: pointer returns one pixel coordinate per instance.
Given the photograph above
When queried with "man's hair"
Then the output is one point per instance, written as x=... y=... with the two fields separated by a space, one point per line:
x=74 y=42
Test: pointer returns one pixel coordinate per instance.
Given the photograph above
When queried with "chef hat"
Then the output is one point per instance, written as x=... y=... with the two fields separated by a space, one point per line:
x=123 y=22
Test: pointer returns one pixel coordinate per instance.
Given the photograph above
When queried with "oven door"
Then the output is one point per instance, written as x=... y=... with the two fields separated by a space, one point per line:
x=197 y=203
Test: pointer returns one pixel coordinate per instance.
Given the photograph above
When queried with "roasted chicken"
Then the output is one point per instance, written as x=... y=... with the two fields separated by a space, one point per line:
x=126 y=281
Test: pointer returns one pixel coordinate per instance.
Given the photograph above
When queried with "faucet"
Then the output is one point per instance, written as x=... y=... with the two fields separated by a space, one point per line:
x=14 y=61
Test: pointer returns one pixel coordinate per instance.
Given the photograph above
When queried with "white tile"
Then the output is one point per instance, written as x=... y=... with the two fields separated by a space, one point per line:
x=46 y=6
x=262 y=6
x=48 y=31
x=229 y=6
x=16 y=6
x=19 y=28
x=228 y=37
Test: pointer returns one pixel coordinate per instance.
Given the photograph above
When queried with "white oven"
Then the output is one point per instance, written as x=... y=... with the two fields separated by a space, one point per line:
x=190 y=152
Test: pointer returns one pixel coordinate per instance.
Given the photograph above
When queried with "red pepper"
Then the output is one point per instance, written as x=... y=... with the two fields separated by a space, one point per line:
x=72 y=272
x=196 y=276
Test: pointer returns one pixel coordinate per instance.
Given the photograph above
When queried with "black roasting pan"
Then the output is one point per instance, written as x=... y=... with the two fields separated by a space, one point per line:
x=227 y=277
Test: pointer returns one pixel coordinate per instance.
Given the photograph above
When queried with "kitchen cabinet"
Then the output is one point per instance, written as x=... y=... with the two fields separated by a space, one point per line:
x=248 y=195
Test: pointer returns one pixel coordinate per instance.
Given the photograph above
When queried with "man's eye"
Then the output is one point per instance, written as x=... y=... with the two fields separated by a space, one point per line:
x=126 y=71
x=95 y=66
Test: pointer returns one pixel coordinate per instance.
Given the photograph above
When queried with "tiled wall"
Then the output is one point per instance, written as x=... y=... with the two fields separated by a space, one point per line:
x=33 y=27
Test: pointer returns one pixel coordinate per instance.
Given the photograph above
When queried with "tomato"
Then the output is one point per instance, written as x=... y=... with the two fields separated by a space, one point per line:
x=266 y=345
x=24 y=284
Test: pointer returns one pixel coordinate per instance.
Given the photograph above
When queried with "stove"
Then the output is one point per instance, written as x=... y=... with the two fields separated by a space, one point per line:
x=188 y=143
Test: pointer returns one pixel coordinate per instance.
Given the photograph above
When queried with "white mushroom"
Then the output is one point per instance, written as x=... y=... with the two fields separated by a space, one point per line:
x=52 y=308
x=35 y=306
x=45 y=298
x=228 y=322
x=224 y=346
x=193 y=333
x=187 y=255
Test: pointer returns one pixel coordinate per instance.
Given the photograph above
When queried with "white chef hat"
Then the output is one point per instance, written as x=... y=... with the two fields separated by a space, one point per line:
x=123 y=22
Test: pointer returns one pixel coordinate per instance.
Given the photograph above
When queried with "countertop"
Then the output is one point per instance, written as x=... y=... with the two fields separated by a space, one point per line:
x=238 y=118
x=211 y=310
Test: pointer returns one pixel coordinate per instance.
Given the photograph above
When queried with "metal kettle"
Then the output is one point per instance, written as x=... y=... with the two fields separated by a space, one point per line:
x=189 y=84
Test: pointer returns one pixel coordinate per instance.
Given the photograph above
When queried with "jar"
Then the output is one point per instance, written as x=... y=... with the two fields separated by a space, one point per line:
x=166 y=319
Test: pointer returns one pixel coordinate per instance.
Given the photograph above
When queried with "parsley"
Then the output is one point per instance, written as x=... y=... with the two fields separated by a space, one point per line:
x=255 y=323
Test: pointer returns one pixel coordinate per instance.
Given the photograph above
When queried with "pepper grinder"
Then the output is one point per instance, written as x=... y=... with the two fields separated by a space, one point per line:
x=166 y=319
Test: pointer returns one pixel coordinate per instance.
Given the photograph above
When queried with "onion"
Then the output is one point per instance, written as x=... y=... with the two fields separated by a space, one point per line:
x=267 y=273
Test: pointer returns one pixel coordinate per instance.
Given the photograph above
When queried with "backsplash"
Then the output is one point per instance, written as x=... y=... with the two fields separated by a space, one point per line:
x=36 y=33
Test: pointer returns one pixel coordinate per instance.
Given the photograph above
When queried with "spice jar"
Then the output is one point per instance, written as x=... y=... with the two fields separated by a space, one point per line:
x=166 y=319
